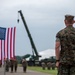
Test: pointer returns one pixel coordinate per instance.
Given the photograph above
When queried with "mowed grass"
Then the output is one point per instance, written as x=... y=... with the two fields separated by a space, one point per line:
x=39 y=69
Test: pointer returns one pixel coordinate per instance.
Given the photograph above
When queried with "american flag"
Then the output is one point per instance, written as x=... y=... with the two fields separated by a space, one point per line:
x=7 y=46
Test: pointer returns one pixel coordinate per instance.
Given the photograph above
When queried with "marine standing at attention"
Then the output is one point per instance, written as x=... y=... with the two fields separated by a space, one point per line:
x=65 y=48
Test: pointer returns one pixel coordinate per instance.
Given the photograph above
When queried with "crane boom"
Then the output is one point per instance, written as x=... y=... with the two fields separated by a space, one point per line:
x=29 y=35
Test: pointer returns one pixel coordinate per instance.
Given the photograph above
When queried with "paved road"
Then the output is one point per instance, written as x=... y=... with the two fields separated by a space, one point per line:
x=20 y=72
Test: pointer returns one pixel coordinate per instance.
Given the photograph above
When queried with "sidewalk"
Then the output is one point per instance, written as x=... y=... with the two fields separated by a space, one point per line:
x=20 y=72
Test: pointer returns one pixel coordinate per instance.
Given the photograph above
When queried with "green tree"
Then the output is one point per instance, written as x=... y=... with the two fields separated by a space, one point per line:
x=26 y=56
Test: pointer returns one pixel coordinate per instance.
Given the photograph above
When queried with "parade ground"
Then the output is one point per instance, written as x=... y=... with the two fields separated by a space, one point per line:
x=20 y=72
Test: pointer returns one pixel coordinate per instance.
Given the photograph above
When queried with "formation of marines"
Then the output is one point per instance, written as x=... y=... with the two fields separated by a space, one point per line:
x=13 y=64
x=48 y=65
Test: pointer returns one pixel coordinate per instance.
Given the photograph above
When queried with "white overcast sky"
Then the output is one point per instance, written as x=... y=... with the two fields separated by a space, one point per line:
x=44 y=19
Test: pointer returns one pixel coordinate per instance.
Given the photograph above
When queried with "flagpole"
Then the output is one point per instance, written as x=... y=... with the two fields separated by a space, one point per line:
x=4 y=67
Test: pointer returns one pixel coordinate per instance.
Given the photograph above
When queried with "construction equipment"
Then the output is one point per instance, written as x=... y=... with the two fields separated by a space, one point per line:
x=29 y=35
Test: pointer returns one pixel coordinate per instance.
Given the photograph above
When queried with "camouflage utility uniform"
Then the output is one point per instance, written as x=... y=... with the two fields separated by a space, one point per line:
x=67 y=53
x=15 y=65
x=24 y=64
x=43 y=65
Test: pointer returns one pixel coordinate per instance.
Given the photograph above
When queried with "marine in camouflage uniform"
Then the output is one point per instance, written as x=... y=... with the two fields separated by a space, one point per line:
x=12 y=64
x=7 y=65
x=43 y=65
x=49 y=65
x=65 y=48
x=24 y=64
x=15 y=65
x=53 y=66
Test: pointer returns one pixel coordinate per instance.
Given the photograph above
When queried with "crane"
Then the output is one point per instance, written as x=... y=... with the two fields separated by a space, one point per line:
x=29 y=35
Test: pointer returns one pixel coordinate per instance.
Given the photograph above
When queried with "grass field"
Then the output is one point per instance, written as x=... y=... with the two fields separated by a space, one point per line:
x=35 y=68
